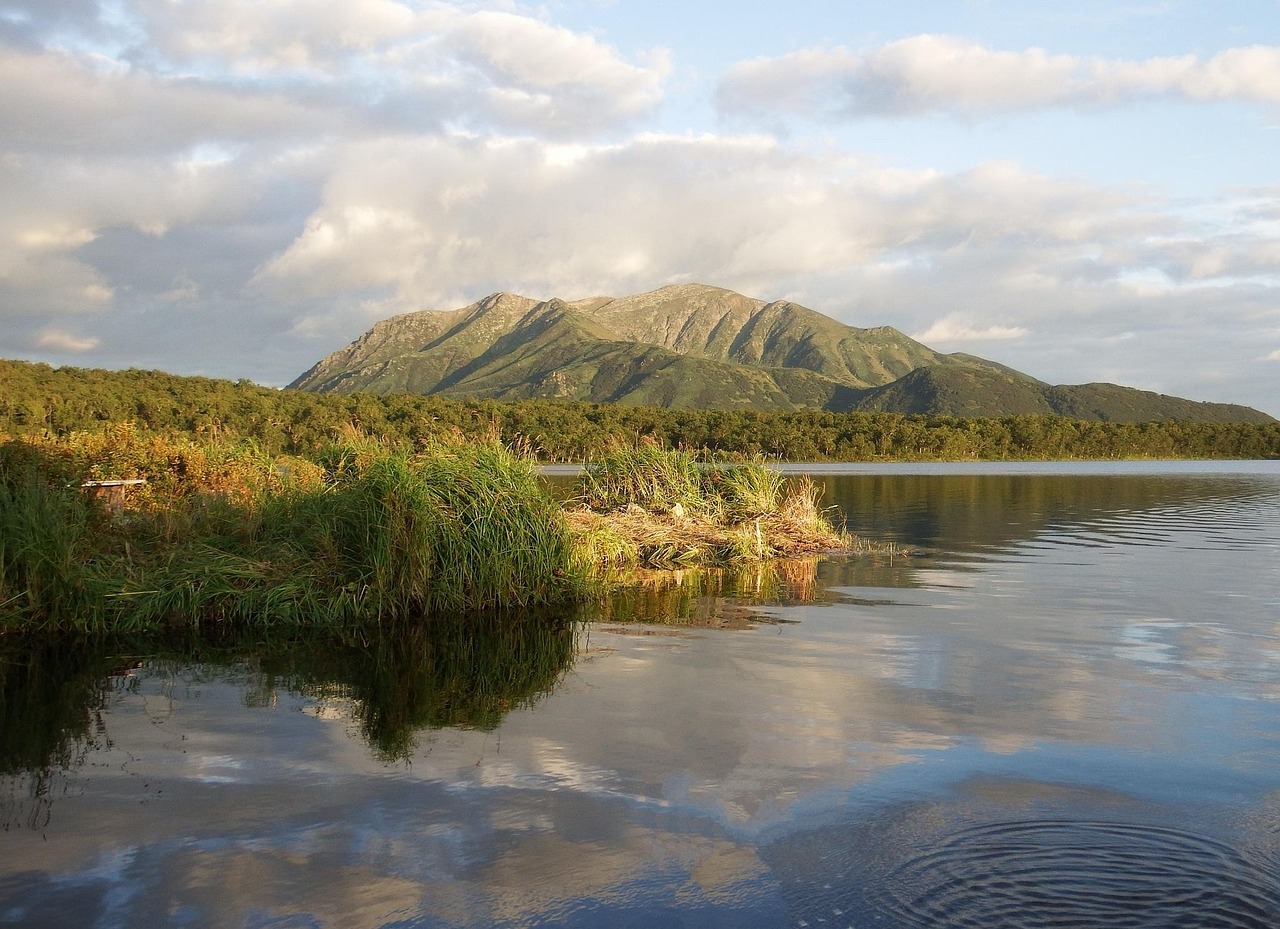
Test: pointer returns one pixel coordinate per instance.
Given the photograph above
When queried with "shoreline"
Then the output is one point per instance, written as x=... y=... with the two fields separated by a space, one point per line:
x=228 y=537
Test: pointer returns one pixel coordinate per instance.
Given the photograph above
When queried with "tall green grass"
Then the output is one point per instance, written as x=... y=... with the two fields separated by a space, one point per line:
x=643 y=475
x=459 y=527
x=366 y=534
x=44 y=544
x=746 y=491
x=658 y=479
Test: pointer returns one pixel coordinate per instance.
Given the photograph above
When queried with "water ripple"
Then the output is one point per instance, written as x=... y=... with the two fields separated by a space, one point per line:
x=1071 y=875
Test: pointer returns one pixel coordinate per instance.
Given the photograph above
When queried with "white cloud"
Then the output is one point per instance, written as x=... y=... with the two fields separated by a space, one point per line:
x=472 y=68
x=59 y=340
x=252 y=36
x=55 y=102
x=1274 y=356
x=524 y=54
x=952 y=328
x=445 y=217
x=937 y=73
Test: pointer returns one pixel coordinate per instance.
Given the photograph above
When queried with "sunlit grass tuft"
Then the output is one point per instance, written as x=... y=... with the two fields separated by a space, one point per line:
x=644 y=475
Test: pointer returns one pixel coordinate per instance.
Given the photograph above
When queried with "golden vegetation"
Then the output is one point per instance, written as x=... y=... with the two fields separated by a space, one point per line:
x=226 y=534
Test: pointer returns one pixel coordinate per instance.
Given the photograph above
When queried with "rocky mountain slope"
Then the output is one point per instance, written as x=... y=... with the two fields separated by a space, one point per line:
x=691 y=345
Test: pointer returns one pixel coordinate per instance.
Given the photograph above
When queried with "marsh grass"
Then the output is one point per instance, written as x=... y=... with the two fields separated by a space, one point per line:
x=457 y=527
x=746 y=491
x=643 y=474
x=654 y=507
x=363 y=533
x=43 y=548
x=227 y=535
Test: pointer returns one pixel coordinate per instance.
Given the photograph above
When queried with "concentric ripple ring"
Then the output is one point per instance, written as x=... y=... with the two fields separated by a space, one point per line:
x=1072 y=875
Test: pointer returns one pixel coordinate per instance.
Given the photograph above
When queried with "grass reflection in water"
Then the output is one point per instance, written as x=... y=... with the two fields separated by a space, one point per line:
x=394 y=681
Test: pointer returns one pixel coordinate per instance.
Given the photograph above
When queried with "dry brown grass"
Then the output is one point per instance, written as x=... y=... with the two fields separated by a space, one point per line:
x=637 y=536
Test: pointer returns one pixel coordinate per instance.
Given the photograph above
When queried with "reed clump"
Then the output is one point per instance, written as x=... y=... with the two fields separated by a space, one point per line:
x=656 y=507
x=456 y=527
x=644 y=475
x=44 y=549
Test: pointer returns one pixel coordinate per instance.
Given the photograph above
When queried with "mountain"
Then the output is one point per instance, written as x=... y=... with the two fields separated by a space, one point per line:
x=977 y=392
x=696 y=346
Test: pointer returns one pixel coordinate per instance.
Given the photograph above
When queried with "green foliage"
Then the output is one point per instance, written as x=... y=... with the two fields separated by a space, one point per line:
x=460 y=526
x=36 y=400
x=645 y=475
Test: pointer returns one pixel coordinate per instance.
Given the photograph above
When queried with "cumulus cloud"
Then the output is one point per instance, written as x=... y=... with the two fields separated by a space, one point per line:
x=249 y=37
x=447 y=217
x=478 y=68
x=938 y=73
x=59 y=340
x=59 y=103
x=952 y=328
x=533 y=66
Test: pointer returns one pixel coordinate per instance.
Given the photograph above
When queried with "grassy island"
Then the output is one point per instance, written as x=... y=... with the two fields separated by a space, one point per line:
x=227 y=534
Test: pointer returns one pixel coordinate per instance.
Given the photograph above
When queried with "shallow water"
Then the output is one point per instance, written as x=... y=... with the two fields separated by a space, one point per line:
x=1061 y=710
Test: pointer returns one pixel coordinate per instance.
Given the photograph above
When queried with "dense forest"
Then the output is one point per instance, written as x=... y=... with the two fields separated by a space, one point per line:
x=36 y=398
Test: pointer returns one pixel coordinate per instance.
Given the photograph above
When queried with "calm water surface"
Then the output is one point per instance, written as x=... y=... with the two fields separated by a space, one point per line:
x=1062 y=709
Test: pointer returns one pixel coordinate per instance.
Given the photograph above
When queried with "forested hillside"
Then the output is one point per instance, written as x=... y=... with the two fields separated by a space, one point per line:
x=36 y=398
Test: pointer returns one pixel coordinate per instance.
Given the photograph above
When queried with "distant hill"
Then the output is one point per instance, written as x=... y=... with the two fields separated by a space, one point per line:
x=700 y=347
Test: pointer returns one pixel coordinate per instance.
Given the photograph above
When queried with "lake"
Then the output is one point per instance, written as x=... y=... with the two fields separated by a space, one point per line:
x=1061 y=708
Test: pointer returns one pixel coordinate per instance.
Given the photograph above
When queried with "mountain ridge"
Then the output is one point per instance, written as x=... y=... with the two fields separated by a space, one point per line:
x=699 y=346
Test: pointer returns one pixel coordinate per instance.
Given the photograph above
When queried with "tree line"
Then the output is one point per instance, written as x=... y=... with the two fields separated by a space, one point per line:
x=36 y=398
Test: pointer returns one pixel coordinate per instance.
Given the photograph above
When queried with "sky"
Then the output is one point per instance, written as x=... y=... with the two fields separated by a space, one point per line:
x=235 y=188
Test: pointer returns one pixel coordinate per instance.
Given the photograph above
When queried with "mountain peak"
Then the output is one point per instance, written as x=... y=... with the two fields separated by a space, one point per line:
x=697 y=345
